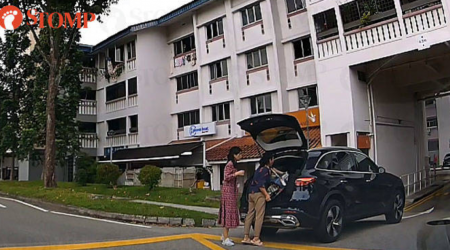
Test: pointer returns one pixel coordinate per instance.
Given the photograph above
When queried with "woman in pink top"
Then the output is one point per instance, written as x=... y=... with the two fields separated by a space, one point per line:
x=228 y=213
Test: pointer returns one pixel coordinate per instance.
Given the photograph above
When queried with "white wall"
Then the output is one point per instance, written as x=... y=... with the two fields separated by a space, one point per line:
x=397 y=147
x=443 y=109
x=154 y=88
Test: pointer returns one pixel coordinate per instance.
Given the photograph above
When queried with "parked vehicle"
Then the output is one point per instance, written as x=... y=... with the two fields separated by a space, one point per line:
x=446 y=164
x=325 y=187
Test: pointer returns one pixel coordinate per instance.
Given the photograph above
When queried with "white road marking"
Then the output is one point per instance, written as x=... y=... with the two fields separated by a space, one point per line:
x=422 y=213
x=103 y=220
x=26 y=204
x=72 y=215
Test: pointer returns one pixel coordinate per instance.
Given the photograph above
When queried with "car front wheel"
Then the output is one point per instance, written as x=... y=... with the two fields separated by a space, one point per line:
x=331 y=222
x=396 y=213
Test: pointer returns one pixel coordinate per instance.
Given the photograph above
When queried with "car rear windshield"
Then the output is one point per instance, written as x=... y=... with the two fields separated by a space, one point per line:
x=279 y=134
x=313 y=157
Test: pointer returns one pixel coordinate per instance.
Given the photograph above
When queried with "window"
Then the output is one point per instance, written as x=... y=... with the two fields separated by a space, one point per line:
x=188 y=118
x=294 y=5
x=430 y=102
x=302 y=48
x=214 y=29
x=184 y=45
x=187 y=81
x=116 y=91
x=101 y=60
x=261 y=104
x=88 y=94
x=133 y=124
x=257 y=58
x=311 y=92
x=365 y=164
x=119 y=126
x=251 y=14
x=353 y=12
x=218 y=69
x=433 y=145
x=432 y=122
x=120 y=54
x=340 y=161
x=221 y=112
x=87 y=127
x=326 y=24
x=131 y=50
x=132 y=86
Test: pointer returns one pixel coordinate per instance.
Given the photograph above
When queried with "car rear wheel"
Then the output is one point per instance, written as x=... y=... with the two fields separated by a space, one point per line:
x=395 y=215
x=331 y=222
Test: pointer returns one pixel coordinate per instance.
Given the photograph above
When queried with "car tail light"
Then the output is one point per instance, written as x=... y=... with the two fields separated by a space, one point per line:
x=303 y=182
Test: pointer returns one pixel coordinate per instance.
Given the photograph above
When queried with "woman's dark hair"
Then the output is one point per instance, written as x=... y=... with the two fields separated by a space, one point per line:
x=233 y=151
x=265 y=159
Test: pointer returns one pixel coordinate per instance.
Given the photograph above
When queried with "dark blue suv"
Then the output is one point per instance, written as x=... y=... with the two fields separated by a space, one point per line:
x=322 y=188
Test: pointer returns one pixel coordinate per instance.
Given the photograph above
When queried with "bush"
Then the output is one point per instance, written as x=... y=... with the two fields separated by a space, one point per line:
x=150 y=176
x=108 y=174
x=86 y=169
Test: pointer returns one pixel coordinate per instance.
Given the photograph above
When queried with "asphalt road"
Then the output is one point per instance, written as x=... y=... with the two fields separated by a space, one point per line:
x=22 y=226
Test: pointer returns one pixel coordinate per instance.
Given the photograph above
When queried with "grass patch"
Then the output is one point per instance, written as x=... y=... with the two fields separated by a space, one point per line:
x=74 y=195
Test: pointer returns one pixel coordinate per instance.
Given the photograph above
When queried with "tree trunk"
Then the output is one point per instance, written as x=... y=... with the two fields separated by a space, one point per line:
x=50 y=138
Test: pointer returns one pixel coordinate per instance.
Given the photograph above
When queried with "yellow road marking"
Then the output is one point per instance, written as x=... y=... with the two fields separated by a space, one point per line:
x=98 y=245
x=207 y=243
x=275 y=245
x=203 y=239
x=423 y=201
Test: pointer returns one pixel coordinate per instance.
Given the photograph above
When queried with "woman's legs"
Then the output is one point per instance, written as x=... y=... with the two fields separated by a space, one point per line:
x=225 y=233
x=260 y=208
x=250 y=216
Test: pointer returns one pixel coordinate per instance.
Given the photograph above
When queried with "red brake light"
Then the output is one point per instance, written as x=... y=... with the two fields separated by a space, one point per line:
x=302 y=182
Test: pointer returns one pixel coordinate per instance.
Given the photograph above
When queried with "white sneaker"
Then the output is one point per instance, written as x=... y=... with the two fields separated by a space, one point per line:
x=227 y=242
x=222 y=239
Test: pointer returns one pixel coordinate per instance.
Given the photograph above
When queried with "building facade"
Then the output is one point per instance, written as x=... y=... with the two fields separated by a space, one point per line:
x=354 y=73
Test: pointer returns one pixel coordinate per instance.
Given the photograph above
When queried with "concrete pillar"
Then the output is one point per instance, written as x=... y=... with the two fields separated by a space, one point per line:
x=215 y=178
x=443 y=115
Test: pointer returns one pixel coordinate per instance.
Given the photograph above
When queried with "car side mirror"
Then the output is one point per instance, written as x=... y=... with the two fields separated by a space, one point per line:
x=381 y=170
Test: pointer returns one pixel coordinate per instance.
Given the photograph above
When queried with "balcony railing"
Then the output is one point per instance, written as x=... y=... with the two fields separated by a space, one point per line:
x=117 y=140
x=373 y=35
x=115 y=105
x=424 y=20
x=87 y=107
x=133 y=100
x=88 y=75
x=329 y=47
x=88 y=140
x=131 y=64
x=133 y=139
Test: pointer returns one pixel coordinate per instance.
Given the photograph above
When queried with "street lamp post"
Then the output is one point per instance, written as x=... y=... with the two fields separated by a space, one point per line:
x=305 y=100
x=110 y=134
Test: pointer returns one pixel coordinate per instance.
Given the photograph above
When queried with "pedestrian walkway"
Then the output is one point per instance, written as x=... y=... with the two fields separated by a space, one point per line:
x=208 y=210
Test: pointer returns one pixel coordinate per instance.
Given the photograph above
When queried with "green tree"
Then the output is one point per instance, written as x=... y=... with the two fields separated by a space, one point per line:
x=150 y=176
x=33 y=120
x=13 y=78
x=61 y=42
x=86 y=169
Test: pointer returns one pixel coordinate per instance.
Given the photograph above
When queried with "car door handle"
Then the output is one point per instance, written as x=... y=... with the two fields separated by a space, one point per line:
x=344 y=181
x=369 y=180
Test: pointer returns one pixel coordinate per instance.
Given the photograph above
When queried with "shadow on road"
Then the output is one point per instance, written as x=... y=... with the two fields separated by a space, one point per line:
x=306 y=236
